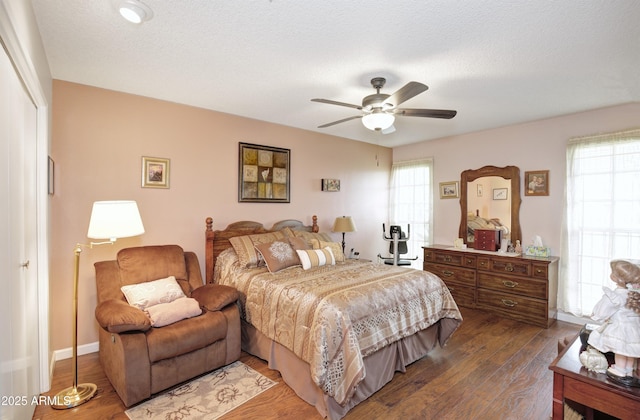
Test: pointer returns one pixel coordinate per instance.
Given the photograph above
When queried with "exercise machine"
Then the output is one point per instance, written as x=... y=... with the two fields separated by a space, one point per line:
x=397 y=245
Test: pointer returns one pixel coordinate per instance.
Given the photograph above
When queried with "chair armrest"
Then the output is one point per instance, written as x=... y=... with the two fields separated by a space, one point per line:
x=118 y=316
x=214 y=297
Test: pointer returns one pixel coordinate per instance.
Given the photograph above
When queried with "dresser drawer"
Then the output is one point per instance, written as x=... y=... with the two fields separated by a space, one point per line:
x=517 y=307
x=508 y=284
x=450 y=258
x=540 y=271
x=463 y=294
x=451 y=273
x=509 y=266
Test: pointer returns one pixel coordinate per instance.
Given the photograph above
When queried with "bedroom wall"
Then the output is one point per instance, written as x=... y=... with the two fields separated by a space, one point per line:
x=99 y=138
x=538 y=145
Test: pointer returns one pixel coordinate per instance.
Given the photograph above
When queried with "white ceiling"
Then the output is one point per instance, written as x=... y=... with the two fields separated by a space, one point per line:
x=495 y=62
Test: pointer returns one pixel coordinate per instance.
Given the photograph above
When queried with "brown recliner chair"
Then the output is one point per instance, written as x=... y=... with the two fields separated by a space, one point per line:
x=140 y=360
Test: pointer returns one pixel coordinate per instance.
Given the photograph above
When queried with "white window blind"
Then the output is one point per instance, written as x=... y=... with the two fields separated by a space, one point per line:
x=411 y=203
x=602 y=215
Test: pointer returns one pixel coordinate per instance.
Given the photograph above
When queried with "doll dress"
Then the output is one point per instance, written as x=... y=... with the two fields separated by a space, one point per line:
x=620 y=332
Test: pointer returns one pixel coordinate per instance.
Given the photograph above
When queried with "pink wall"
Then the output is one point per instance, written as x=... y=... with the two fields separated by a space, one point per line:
x=538 y=145
x=99 y=138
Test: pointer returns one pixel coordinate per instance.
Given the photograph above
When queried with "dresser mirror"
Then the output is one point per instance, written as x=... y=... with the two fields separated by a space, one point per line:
x=490 y=199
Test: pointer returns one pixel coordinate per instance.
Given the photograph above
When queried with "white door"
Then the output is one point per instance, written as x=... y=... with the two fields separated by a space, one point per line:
x=19 y=347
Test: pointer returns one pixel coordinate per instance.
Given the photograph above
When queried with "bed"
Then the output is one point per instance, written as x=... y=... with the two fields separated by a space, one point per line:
x=336 y=329
x=476 y=222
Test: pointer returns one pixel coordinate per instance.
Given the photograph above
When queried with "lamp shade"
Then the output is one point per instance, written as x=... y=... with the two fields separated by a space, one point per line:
x=115 y=219
x=344 y=224
x=378 y=120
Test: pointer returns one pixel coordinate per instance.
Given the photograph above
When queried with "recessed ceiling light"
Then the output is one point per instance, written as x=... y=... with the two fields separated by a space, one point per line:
x=135 y=11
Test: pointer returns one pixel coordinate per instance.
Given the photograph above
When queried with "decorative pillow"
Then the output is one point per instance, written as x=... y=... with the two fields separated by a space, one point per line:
x=149 y=293
x=278 y=255
x=167 y=313
x=245 y=246
x=299 y=243
x=336 y=249
x=312 y=235
x=316 y=257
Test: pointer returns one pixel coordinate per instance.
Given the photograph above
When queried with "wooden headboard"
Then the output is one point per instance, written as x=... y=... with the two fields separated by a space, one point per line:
x=217 y=241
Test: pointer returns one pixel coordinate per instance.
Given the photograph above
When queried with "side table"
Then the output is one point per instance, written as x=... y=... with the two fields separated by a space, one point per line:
x=591 y=390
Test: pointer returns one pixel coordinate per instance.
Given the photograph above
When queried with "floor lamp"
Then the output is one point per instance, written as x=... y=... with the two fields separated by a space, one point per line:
x=344 y=224
x=109 y=220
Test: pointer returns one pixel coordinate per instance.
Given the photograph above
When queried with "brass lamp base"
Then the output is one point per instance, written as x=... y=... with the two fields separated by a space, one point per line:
x=74 y=396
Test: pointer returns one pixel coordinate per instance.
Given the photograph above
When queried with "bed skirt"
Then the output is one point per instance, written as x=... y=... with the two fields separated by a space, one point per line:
x=380 y=366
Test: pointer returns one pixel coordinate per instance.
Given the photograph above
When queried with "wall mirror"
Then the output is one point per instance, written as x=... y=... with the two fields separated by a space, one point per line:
x=490 y=198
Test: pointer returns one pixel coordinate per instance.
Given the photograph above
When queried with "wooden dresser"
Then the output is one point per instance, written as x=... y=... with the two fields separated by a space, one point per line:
x=522 y=288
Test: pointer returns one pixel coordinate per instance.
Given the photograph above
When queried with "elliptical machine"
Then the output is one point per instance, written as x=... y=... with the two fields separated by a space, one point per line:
x=397 y=245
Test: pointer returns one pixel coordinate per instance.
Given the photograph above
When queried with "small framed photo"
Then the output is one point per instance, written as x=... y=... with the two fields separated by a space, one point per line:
x=500 y=193
x=330 y=185
x=479 y=190
x=449 y=189
x=155 y=172
x=536 y=183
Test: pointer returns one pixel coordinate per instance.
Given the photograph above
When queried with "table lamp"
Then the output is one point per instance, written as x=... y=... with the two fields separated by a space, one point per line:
x=344 y=224
x=109 y=220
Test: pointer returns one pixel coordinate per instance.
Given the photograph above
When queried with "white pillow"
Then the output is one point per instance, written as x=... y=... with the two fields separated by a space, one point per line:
x=167 y=313
x=316 y=257
x=143 y=295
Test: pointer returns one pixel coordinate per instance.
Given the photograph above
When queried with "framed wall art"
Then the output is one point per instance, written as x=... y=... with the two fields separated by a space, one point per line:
x=330 y=185
x=263 y=174
x=536 y=183
x=500 y=193
x=155 y=172
x=449 y=189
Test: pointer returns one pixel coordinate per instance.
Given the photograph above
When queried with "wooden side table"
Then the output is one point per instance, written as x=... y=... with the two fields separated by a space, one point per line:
x=591 y=390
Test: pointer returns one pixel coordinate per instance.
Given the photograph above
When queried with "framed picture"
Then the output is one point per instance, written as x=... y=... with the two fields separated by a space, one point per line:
x=500 y=193
x=536 y=183
x=155 y=172
x=263 y=174
x=479 y=190
x=330 y=185
x=449 y=189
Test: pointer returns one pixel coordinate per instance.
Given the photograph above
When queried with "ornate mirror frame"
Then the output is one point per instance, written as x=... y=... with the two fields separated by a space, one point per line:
x=508 y=172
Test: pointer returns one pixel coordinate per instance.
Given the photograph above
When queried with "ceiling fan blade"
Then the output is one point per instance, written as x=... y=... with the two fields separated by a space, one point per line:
x=431 y=113
x=405 y=93
x=339 y=121
x=330 y=102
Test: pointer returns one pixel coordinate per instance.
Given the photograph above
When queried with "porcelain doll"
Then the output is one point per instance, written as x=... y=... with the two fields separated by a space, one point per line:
x=619 y=310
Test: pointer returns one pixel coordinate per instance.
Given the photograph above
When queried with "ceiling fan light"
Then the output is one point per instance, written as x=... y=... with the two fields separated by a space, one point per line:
x=135 y=11
x=378 y=121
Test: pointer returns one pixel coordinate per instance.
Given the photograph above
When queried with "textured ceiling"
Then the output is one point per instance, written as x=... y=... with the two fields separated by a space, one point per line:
x=495 y=62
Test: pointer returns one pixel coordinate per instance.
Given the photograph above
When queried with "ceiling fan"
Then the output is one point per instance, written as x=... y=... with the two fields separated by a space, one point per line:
x=379 y=110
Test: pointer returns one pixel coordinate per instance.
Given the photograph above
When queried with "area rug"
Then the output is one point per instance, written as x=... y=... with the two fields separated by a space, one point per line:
x=207 y=397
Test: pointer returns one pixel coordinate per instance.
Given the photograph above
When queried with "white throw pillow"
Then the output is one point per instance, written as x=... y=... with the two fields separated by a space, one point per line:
x=316 y=257
x=143 y=295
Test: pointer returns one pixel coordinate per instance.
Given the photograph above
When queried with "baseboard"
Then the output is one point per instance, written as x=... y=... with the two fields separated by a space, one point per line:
x=567 y=317
x=68 y=352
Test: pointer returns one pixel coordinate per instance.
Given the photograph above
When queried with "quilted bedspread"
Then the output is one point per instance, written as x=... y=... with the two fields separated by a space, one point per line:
x=334 y=316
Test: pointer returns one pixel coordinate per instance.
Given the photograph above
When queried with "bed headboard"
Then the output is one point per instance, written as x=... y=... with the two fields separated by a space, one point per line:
x=217 y=241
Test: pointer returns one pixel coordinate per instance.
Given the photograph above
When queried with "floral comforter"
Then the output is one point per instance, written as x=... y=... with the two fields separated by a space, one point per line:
x=334 y=316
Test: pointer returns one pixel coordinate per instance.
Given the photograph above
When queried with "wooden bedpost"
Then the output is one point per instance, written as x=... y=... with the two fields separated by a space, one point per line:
x=314 y=226
x=209 y=235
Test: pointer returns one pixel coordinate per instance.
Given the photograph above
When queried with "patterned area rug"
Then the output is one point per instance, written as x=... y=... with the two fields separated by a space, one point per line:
x=207 y=397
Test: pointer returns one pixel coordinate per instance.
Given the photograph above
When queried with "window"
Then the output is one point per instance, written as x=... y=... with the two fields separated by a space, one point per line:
x=411 y=203
x=602 y=215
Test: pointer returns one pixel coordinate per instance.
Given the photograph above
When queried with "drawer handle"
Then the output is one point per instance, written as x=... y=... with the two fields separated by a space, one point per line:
x=482 y=263
x=509 y=283
x=509 y=303
x=508 y=267
x=447 y=273
x=447 y=258
x=469 y=261
x=539 y=271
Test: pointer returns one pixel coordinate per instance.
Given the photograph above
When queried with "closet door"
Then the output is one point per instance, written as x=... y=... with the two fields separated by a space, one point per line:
x=19 y=386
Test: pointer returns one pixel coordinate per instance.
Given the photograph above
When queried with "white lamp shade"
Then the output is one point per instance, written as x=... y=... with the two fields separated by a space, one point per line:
x=344 y=224
x=378 y=120
x=115 y=219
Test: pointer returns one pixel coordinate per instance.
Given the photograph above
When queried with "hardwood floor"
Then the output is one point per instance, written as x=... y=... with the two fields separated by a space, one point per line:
x=491 y=368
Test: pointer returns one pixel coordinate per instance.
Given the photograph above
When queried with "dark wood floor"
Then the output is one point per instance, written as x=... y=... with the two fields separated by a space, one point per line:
x=492 y=368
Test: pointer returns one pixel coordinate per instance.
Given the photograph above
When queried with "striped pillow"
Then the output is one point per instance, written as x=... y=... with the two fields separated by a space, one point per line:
x=245 y=246
x=316 y=257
